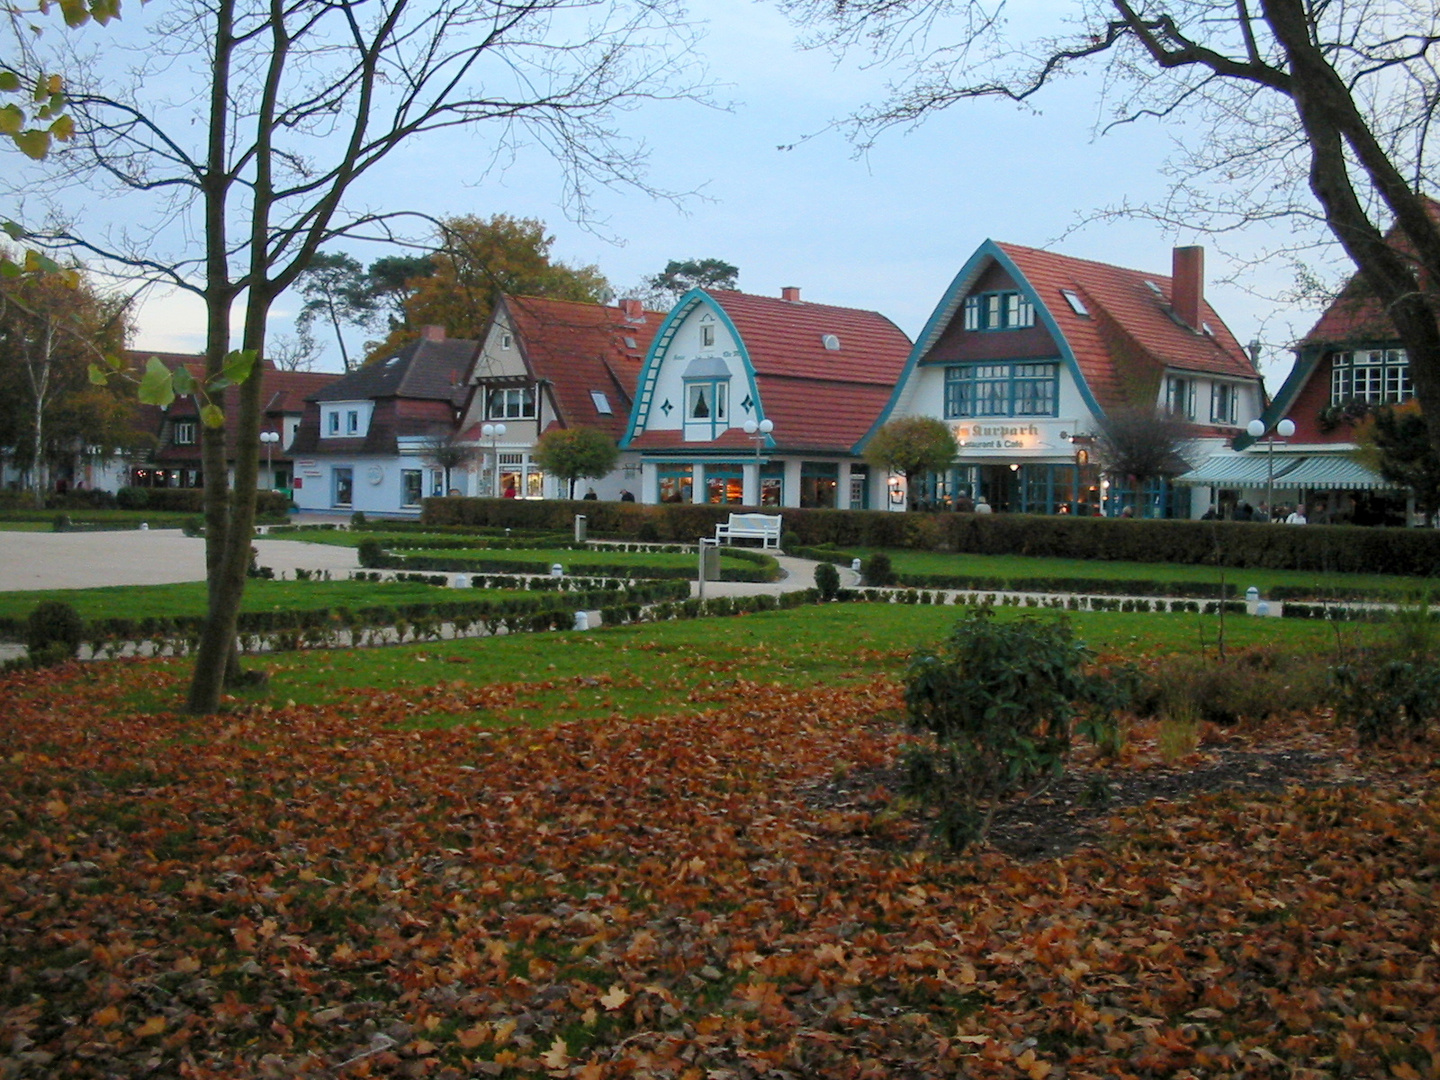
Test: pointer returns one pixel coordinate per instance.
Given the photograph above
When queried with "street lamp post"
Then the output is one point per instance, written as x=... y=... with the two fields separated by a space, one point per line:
x=494 y=432
x=1284 y=429
x=758 y=433
x=270 y=438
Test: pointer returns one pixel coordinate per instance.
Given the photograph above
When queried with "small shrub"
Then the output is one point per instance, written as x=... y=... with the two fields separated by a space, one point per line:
x=370 y=552
x=790 y=542
x=357 y=519
x=877 y=571
x=999 y=701
x=827 y=580
x=61 y=522
x=53 y=633
x=648 y=533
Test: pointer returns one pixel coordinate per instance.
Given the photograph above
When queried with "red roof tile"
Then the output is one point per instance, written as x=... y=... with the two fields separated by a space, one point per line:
x=1126 y=317
x=820 y=399
x=579 y=348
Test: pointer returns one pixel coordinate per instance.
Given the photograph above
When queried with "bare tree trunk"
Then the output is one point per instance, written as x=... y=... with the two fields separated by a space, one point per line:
x=1332 y=123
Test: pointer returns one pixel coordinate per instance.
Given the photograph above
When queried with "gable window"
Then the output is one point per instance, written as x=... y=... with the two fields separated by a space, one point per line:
x=1001 y=390
x=1180 y=397
x=706 y=400
x=185 y=433
x=707 y=336
x=515 y=403
x=1374 y=376
x=1223 y=402
x=506 y=341
x=998 y=311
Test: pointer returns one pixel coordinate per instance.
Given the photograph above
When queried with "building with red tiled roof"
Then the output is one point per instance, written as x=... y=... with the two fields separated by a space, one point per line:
x=816 y=375
x=546 y=364
x=1028 y=351
x=1348 y=364
x=176 y=460
x=372 y=440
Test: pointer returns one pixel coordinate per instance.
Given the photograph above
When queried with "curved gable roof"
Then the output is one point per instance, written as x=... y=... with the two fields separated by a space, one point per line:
x=819 y=398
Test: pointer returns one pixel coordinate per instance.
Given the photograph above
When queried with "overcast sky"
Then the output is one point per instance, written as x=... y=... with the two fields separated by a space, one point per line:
x=885 y=232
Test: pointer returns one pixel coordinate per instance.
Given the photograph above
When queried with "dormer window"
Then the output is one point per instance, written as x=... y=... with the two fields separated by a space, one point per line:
x=333 y=423
x=707 y=398
x=185 y=433
x=998 y=311
x=1180 y=397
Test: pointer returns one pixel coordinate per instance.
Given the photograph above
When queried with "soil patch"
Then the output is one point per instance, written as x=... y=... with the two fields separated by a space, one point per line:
x=1072 y=813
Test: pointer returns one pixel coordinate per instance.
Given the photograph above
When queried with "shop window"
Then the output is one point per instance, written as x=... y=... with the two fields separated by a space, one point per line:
x=676 y=485
x=411 y=487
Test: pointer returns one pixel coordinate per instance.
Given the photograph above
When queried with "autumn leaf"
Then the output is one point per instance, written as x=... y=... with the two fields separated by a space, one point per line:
x=614 y=998
x=154 y=1026
x=557 y=1057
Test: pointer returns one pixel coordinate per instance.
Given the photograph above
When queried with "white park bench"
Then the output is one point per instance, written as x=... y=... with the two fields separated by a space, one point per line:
x=762 y=527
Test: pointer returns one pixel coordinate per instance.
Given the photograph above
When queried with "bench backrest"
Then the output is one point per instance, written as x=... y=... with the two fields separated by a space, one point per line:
x=755 y=522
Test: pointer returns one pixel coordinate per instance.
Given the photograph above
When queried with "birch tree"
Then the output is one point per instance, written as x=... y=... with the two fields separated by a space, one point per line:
x=289 y=106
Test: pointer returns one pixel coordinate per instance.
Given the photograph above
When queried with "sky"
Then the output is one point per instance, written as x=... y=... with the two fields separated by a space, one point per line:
x=886 y=231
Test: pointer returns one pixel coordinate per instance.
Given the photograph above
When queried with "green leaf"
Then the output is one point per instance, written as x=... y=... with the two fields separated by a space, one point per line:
x=238 y=365
x=12 y=119
x=156 y=385
x=98 y=375
x=183 y=381
x=33 y=144
x=116 y=361
x=9 y=82
x=212 y=416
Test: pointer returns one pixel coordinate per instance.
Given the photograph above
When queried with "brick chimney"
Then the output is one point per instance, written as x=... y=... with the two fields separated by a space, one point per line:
x=790 y=292
x=433 y=333
x=633 y=309
x=1187 y=285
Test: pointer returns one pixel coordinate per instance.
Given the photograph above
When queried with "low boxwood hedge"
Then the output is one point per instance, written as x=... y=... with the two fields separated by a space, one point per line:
x=1322 y=548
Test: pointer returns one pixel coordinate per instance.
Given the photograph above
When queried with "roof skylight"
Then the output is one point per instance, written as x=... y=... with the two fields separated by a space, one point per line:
x=602 y=403
x=1076 y=304
x=831 y=342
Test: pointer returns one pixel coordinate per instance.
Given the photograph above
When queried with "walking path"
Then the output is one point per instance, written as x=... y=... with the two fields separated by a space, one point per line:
x=87 y=560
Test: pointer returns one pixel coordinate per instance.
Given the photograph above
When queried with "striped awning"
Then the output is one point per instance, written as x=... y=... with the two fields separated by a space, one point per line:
x=1235 y=471
x=1335 y=471
x=1315 y=472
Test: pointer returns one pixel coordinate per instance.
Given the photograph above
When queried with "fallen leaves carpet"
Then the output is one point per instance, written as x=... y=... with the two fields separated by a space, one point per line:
x=322 y=892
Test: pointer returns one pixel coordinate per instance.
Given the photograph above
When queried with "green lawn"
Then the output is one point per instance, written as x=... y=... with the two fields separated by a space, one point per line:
x=1012 y=567
x=650 y=668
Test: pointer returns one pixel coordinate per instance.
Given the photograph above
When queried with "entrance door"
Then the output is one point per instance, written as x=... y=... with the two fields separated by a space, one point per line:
x=1000 y=485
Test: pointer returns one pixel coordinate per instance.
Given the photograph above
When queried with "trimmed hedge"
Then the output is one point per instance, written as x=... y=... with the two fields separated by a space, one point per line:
x=1243 y=545
x=328 y=619
x=192 y=500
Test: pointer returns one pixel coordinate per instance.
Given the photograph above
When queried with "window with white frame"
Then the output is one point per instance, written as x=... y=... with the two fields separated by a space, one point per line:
x=185 y=433
x=998 y=311
x=352 y=421
x=707 y=336
x=332 y=425
x=1001 y=390
x=1180 y=397
x=412 y=487
x=512 y=403
x=1224 y=403
x=1374 y=376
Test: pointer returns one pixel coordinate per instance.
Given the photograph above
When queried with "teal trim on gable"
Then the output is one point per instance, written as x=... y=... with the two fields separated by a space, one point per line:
x=950 y=308
x=1307 y=359
x=660 y=346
